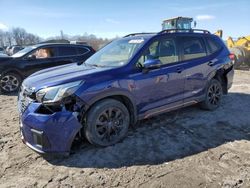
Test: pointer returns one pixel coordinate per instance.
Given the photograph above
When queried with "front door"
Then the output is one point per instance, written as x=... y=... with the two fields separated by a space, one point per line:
x=41 y=58
x=159 y=88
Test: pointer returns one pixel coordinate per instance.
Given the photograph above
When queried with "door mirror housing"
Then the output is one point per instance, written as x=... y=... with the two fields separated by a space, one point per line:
x=30 y=57
x=152 y=64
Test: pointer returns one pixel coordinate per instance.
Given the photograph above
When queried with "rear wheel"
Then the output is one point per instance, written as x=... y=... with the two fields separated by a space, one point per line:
x=10 y=82
x=107 y=122
x=213 y=95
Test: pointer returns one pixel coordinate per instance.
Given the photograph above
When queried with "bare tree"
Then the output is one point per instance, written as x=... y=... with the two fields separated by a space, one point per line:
x=8 y=39
x=19 y=35
x=1 y=38
x=31 y=39
x=22 y=38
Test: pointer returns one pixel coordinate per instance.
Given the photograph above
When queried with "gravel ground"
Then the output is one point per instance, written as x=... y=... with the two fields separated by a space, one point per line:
x=186 y=148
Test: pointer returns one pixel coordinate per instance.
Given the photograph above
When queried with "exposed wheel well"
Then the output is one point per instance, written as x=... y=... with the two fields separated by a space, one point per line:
x=221 y=77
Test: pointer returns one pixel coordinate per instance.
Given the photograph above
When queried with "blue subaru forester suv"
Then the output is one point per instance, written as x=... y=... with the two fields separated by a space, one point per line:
x=136 y=77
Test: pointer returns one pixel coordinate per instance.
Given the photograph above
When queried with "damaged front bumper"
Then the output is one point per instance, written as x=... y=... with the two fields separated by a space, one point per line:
x=48 y=133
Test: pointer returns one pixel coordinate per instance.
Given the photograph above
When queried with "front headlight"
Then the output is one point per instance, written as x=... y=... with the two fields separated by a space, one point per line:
x=57 y=93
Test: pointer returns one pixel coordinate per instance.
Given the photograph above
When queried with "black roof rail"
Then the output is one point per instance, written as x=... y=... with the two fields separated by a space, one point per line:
x=184 y=30
x=133 y=34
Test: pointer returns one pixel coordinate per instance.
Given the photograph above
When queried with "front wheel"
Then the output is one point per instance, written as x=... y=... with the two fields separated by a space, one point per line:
x=213 y=95
x=107 y=123
x=10 y=82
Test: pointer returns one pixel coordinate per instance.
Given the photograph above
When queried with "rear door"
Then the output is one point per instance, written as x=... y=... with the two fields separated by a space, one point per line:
x=194 y=56
x=66 y=54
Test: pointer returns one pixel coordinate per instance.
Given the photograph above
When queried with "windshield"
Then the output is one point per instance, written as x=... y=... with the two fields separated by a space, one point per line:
x=24 y=51
x=116 y=54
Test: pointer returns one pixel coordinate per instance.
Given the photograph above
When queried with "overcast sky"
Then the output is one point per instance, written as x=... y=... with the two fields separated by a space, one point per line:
x=110 y=18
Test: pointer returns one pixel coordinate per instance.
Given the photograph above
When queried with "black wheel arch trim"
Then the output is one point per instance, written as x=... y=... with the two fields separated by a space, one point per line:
x=220 y=75
x=112 y=94
x=11 y=70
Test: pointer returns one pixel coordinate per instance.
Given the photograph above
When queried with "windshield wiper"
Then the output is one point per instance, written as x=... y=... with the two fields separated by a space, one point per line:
x=96 y=65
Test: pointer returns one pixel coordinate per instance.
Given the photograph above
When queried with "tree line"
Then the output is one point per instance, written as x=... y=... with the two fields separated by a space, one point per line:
x=19 y=36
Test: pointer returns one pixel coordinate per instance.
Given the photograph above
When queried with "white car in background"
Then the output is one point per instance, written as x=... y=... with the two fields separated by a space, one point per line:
x=14 y=49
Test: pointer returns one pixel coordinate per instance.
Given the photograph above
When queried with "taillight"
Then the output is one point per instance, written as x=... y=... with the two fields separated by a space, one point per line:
x=232 y=56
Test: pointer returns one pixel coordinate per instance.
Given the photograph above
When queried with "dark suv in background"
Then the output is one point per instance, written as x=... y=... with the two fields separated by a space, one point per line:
x=132 y=78
x=34 y=58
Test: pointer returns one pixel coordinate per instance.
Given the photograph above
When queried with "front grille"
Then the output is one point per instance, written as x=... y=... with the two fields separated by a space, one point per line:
x=23 y=98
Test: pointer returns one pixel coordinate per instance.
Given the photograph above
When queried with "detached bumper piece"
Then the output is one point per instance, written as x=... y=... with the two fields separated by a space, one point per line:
x=48 y=133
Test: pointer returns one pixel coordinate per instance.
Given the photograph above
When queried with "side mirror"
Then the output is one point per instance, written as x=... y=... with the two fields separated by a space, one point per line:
x=31 y=57
x=152 y=64
x=79 y=62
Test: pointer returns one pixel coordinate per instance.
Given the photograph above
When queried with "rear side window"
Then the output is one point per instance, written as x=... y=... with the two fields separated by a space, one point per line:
x=193 y=48
x=213 y=45
x=67 y=51
x=81 y=51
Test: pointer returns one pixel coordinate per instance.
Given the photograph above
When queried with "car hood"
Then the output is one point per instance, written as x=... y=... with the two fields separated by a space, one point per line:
x=59 y=75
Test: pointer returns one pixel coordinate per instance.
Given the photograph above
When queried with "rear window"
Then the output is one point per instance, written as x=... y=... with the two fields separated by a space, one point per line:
x=82 y=50
x=213 y=45
x=67 y=51
x=193 y=48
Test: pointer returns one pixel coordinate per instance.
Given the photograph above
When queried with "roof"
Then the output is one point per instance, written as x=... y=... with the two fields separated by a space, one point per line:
x=64 y=41
x=58 y=44
x=169 y=31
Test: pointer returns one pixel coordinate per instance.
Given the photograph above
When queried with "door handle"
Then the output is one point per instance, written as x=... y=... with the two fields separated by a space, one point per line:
x=179 y=70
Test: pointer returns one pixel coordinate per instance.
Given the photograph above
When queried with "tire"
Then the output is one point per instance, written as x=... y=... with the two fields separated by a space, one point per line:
x=10 y=82
x=213 y=95
x=107 y=123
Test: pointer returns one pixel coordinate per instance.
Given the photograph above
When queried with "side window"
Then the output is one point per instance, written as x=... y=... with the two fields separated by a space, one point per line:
x=193 y=48
x=167 y=51
x=67 y=51
x=81 y=51
x=153 y=49
x=43 y=53
x=164 y=50
x=149 y=53
x=213 y=46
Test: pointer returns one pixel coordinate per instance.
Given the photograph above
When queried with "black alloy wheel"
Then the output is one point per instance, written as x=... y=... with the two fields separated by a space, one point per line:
x=107 y=122
x=10 y=82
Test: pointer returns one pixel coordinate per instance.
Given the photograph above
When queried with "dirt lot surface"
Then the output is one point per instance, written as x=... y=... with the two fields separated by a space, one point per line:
x=188 y=148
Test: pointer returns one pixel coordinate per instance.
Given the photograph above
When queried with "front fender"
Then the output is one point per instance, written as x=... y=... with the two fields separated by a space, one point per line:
x=97 y=93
